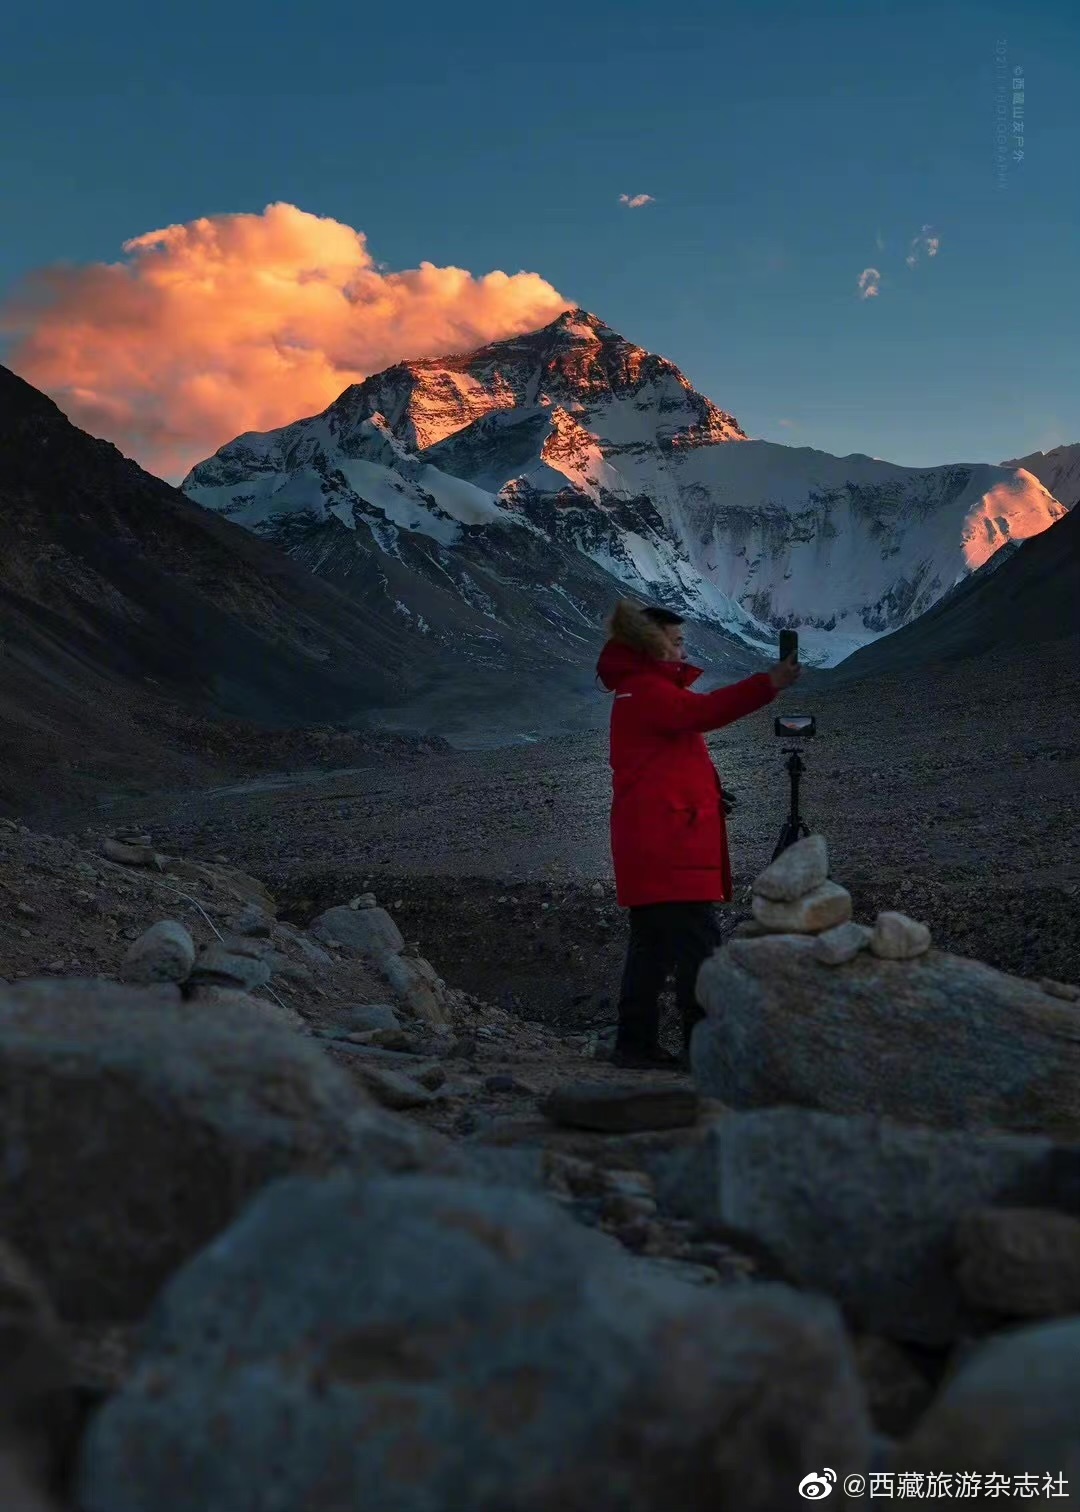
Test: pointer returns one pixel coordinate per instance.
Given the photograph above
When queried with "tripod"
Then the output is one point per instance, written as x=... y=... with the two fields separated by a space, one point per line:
x=794 y=826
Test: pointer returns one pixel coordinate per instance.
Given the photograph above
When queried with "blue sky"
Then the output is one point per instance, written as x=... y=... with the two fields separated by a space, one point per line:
x=781 y=145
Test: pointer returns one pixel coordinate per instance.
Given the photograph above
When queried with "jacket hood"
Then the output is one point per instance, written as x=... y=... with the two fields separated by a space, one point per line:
x=619 y=662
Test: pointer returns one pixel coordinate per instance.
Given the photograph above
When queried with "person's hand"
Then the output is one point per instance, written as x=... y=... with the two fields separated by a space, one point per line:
x=786 y=672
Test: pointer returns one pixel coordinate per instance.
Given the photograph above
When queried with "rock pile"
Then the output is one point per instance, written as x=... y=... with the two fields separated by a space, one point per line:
x=368 y=931
x=794 y=895
x=849 y=1019
x=623 y=1293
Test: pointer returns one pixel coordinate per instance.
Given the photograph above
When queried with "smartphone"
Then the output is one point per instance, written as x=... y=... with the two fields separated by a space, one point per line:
x=789 y=644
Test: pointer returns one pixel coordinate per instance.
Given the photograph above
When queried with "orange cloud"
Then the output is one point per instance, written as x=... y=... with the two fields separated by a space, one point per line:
x=233 y=323
x=635 y=201
x=869 y=282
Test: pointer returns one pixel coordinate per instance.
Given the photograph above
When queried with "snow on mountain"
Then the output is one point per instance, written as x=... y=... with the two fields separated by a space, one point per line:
x=1058 y=471
x=597 y=464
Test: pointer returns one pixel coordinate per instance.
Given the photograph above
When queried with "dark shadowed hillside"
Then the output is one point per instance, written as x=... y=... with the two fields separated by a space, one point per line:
x=127 y=612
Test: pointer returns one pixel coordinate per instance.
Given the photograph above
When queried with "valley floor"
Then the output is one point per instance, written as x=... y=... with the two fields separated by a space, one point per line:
x=953 y=798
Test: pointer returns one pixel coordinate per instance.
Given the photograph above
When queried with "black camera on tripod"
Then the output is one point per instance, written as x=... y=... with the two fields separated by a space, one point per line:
x=792 y=727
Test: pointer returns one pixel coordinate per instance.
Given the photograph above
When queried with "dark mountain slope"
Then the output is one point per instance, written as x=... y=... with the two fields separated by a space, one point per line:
x=1031 y=599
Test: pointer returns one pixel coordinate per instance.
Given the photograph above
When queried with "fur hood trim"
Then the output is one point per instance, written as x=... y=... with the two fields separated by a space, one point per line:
x=629 y=625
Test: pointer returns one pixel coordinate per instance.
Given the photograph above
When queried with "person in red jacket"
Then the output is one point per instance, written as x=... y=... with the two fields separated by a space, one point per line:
x=668 y=835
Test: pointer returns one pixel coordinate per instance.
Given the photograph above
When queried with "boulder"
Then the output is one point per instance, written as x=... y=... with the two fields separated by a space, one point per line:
x=251 y=920
x=163 y=953
x=464 y=1347
x=864 y=1209
x=134 y=1131
x=283 y=966
x=828 y=904
x=415 y=980
x=368 y=932
x=1020 y=1262
x=842 y=943
x=898 y=938
x=1009 y=1411
x=941 y=1040
x=798 y=870
x=218 y=966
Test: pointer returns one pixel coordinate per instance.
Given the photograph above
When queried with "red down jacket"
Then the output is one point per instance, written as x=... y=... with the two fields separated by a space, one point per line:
x=668 y=835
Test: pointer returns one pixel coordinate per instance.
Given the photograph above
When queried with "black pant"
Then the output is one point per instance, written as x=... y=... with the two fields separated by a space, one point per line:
x=664 y=937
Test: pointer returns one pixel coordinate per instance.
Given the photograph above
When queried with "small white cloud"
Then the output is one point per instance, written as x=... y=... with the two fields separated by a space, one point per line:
x=926 y=242
x=869 y=283
x=635 y=201
x=787 y=424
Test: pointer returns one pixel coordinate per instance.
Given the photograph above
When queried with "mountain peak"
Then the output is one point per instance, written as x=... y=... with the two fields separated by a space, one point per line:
x=575 y=362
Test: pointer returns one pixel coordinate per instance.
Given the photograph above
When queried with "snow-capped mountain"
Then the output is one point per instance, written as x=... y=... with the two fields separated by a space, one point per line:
x=1058 y=471
x=520 y=487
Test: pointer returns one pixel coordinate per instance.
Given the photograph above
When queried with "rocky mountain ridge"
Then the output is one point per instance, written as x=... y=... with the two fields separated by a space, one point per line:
x=584 y=453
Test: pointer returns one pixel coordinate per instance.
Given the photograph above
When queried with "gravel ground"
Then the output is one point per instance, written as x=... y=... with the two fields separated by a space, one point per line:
x=951 y=795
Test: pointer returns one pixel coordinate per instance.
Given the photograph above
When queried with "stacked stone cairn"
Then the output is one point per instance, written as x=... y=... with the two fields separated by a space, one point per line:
x=794 y=895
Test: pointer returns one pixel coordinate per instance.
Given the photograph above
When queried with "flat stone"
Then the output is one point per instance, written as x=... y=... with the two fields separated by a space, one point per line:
x=368 y=1016
x=828 y=904
x=393 y=1089
x=370 y=932
x=798 y=870
x=128 y=855
x=611 y=1109
x=942 y=1040
x=465 y=1346
x=1020 y=1262
x=842 y=943
x=898 y=938
x=163 y=953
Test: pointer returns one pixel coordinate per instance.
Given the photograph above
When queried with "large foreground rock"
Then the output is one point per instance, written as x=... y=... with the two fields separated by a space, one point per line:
x=940 y=1040
x=434 y=1346
x=864 y=1209
x=1011 y=1410
x=134 y=1131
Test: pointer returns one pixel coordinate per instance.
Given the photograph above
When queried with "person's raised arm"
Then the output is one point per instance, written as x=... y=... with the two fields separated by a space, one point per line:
x=670 y=710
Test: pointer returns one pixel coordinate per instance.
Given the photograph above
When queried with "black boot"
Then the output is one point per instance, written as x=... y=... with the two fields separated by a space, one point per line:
x=649 y=1058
